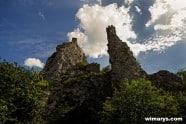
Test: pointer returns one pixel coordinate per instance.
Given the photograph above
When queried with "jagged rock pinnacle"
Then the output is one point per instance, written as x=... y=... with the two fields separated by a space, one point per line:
x=123 y=63
x=66 y=55
x=74 y=40
x=111 y=30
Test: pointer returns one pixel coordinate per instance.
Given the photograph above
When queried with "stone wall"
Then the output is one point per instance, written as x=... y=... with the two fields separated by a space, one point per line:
x=93 y=67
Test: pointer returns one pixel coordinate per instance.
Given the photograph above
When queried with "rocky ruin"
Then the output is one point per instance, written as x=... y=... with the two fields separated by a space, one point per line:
x=93 y=67
x=123 y=63
x=67 y=55
x=81 y=91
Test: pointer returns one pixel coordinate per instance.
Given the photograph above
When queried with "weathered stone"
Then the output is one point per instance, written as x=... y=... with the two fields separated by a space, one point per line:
x=123 y=63
x=167 y=81
x=82 y=94
x=66 y=55
x=79 y=94
x=93 y=67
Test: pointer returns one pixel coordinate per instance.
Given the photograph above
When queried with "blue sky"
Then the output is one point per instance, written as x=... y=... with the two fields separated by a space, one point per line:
x=33 y=29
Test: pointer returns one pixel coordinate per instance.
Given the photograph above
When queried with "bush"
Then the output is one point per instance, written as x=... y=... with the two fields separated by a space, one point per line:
x=135 y=100
x=22 y=94
x=182 y=74
x=106 y=69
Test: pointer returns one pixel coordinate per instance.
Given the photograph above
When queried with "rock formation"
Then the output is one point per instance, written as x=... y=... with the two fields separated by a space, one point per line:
x=81 y=91
x=167 y=81
x=66 y=55
x=123 y=63
x=78 y=97
x=93 y=67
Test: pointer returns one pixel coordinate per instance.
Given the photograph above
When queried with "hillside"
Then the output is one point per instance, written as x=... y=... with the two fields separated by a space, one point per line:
x=79 y=93
x=70 y=90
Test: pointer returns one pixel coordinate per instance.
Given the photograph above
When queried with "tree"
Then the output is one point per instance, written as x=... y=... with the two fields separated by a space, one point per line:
x=135 y=100
x=182 y=74
x=22 y=93
x=106 y=69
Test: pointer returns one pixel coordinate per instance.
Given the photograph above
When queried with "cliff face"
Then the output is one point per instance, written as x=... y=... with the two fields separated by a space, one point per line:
x=78 y=97
x=123 y=63
x=66 y=55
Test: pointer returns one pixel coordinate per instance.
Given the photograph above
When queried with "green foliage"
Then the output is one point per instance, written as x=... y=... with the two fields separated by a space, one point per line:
x=81 y=65
x=70 y=80
x=182 y=74
x=181 y=98
x=135 y=100
x=22 y=94
x=106 y=69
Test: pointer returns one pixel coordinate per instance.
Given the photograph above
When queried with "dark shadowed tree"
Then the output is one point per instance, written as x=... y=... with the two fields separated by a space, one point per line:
x=23 y=94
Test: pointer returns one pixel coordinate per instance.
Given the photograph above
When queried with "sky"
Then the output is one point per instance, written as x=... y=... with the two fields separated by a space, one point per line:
x=155 y=30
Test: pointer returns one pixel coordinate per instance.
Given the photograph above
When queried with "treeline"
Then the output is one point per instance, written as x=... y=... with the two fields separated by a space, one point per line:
x=24 y=99
x=23 y=94
x=135 y=100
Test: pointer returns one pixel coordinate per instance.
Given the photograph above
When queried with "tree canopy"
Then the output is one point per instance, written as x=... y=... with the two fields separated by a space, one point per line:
x=135 y=100
x=22 y=93
x=24 y=98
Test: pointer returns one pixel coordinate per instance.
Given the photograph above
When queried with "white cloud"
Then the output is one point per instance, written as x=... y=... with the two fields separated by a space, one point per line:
x=93 y=22
x=33 y=62
x=168 y=17
x=138 y=9
x=128 y=2
x=41 y=15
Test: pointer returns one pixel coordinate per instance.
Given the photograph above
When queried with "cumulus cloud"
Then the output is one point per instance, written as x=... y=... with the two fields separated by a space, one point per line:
x=168 y=19
x=93 y=22
x=128 y=2
x=33 y=62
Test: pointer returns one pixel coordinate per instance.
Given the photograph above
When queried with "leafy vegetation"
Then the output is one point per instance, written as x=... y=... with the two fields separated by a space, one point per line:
x=182 y=74
x=135 y=100
x=76 y=97
x=23 y=94
x=87 y=97
x=106 y=69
